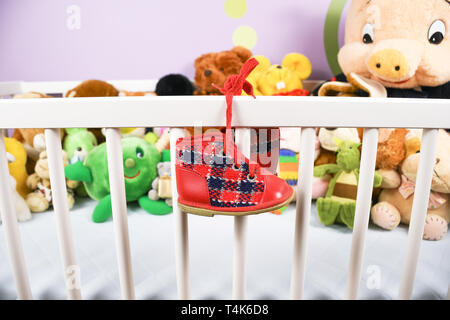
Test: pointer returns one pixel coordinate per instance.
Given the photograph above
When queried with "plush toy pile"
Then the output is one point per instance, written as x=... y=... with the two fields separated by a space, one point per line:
x=396 y=197
x=399 y=49
x=392 y=49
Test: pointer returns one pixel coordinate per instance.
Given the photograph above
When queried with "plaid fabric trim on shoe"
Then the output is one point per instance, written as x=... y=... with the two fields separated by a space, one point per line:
x=229 y=185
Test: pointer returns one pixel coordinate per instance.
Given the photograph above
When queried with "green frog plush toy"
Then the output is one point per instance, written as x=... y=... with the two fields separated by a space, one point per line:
x=140 y=159
x=78 y=142
x=338 y=206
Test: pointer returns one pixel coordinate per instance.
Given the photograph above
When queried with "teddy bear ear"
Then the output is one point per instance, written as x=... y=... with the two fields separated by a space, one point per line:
x=71 y=93
x=298 y=63
x=199 y=60
x=243 y=53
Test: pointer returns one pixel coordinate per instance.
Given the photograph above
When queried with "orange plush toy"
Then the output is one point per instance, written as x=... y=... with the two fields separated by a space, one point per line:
x=216 y=67
x=391 y=148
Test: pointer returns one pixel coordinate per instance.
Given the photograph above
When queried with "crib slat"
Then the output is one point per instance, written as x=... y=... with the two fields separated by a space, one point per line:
x=242 y=140
x=448 y=293
x=362 y=211
x=180 y=225
x=304 y=193
x=119 y=208
x=61 y=209
x=9 y=220
x=419 y=211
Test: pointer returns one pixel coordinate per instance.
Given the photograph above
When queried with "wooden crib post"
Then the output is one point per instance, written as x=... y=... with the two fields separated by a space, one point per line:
x=304 y=194
x=240 y=229
x=362 y=211
x=119 y=208
x=9 y=220
x=419 y=211
x=180 y=225
x=61 y=209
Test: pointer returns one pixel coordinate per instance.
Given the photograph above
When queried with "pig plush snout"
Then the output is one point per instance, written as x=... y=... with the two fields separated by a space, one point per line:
x=395 y=60
x=389 y=64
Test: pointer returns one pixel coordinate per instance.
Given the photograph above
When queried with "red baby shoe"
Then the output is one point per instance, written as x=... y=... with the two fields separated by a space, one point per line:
x=214 y=177
x=212 y=181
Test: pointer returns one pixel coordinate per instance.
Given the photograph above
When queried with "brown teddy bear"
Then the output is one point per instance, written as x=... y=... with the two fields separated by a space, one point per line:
x=216 y=67
x=40 y=198
x=94 y=88
x=396 y=203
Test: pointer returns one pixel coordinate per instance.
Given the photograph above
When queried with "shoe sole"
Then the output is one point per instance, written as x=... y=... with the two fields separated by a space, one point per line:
x=212 y=213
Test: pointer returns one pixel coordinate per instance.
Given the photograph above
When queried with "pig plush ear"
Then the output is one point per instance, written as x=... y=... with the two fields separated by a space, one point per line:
x=298 y=63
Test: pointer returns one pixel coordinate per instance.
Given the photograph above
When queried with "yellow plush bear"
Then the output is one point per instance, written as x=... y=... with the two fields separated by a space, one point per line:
x=284 y=79
x=17 y=168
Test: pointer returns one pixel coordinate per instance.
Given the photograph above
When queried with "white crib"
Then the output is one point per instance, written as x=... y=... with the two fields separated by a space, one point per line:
x=306 y=113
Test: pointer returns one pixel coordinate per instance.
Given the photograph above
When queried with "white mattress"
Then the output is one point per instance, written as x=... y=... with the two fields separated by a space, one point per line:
x=270 y=247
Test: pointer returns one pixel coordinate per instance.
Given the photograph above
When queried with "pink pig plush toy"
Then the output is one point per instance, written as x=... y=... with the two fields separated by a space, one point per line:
x=402 y=44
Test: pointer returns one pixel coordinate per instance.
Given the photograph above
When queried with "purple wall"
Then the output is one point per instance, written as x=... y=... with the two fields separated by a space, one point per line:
x=139 y=39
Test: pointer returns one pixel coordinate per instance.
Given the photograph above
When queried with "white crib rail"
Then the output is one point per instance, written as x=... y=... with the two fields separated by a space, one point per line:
x=178 y=112
x=240 y=229
x=119 y=210
x=180 y=226
x=362 y=211
x=59 y=197
x=304 y=192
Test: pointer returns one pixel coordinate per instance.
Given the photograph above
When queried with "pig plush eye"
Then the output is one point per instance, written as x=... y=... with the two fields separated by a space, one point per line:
x=368 y=33
x=436 y=32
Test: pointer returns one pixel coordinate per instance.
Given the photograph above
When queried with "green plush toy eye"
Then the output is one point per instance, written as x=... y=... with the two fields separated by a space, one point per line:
x=139 y=152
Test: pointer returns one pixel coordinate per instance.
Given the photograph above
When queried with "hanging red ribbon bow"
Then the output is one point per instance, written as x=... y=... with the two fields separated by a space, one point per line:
x=235 y=84
x=233 y=87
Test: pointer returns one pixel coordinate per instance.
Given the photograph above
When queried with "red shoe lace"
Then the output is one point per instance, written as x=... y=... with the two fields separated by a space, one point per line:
x=233 y=87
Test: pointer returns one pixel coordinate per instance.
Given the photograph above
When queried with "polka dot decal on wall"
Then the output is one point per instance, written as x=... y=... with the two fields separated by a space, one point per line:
x=243 y=35
x=235 y=8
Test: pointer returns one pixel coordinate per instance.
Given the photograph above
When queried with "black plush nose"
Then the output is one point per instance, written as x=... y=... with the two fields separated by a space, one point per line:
x=207 y=72
x=279 y=67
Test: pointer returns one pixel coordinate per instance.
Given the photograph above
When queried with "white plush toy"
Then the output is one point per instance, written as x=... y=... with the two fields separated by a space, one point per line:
x=22 y=211
x=161 y=186
x=327 y=137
